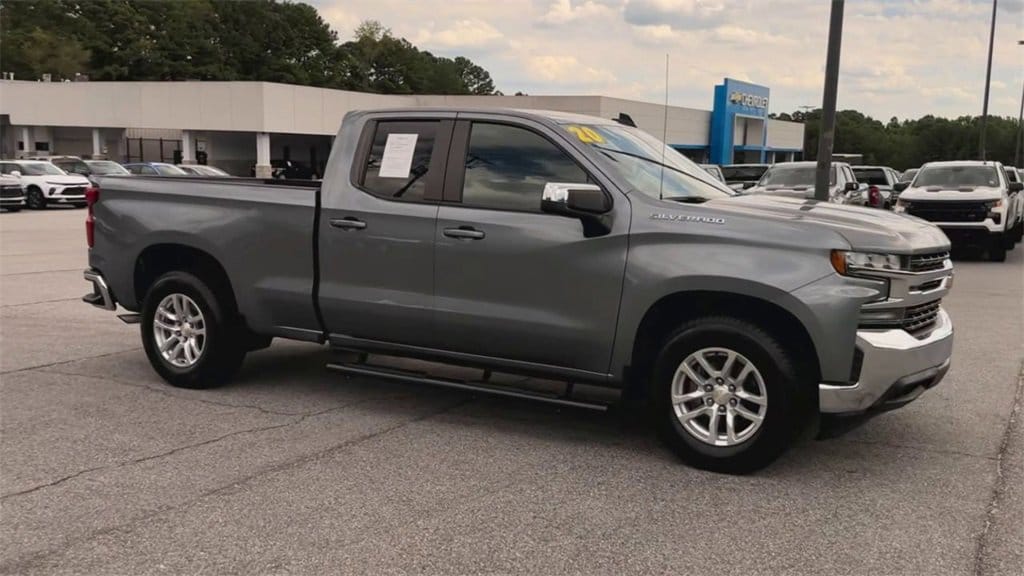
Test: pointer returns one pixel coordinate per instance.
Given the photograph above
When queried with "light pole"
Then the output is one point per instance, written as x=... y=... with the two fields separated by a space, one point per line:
x=988 y=81
x=828 y=107
x=1017 y=155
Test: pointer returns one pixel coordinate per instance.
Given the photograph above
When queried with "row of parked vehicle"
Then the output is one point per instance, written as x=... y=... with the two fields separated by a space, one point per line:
x=39 y=182
x=976 y=203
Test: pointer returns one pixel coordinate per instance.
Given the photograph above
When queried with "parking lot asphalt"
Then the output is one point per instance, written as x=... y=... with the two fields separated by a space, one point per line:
x=293 y=469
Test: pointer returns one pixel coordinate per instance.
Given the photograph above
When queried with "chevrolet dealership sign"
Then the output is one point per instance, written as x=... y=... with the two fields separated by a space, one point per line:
x=751 y=100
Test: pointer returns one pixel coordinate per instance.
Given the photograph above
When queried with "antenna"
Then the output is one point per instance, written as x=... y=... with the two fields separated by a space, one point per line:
x=664 y=136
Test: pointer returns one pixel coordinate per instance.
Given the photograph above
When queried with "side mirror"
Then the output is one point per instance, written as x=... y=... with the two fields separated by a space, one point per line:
x=16 y=173
x=1016 y=186
x=851 y=186
x=901 y=186
x=586 y=202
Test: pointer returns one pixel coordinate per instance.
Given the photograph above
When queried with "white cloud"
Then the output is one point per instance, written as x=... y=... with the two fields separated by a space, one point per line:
x=567 y=70
x=564 y=11
x=468 y=33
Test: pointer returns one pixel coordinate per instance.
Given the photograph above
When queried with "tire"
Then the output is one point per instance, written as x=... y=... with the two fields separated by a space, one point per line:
x=788 y=397
x=13 y=210
x=997 y=248
x=220 y=353
x=34 y=198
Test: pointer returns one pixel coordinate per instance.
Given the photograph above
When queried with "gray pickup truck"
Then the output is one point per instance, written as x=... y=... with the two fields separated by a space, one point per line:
x=539 y=243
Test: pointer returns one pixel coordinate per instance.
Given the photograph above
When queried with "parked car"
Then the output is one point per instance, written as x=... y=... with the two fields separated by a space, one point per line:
x=908 y=175
x=742 y=176
x=154 y=169
x=203 y=170
x=288 y=170
x=90 y=168
x=969 y=199
x=796 y=180
x=12 y=196
x=1013 y=174
x=715 y=171
x=46 y=184
x=881 y=182
x=741 y=318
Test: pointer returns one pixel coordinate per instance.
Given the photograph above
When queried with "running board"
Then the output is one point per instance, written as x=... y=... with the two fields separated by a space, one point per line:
x=417 y=378
x=130 y=318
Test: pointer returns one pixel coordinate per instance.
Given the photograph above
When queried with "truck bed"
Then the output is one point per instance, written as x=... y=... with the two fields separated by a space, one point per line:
x=261 y=231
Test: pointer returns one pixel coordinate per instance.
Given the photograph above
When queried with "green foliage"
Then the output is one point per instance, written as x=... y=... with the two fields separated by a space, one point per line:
x=910 y=143
x=257 y=40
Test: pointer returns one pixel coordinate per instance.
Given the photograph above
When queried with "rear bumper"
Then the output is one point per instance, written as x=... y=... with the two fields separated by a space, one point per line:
x=12 y=201
x=896 y=369
x=101 y=296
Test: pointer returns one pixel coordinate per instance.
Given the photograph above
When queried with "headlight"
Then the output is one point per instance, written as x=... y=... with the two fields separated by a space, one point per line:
x=994 y=205
x=846 y=263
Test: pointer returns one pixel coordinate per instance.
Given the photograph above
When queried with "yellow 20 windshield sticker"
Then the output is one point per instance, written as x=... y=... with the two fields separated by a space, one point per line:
x=586 y=135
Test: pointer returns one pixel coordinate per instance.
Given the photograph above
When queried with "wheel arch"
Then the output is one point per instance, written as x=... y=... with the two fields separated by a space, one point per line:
x=158 y=259
x=673 y=309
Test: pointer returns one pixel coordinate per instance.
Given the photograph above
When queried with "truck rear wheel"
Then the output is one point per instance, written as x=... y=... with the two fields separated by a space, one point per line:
x=728 y=395
x=34 y=198
x=997 y=248
x=190 y=337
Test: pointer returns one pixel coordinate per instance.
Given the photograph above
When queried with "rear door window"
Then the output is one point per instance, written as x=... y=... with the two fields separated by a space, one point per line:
x=400 y=159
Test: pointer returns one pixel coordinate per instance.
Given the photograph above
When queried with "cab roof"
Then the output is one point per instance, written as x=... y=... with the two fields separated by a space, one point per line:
x=555 y=116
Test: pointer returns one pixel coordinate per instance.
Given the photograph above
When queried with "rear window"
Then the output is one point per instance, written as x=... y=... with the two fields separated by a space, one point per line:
x=871 y=176
x=743 y=173
x=783 y=175
x=953 y=176
x=399 y=159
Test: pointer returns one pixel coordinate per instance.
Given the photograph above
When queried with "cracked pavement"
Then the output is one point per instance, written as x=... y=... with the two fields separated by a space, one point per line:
x=293 y=469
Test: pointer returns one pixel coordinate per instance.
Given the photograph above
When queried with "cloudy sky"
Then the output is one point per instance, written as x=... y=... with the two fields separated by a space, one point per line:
x=904 y=58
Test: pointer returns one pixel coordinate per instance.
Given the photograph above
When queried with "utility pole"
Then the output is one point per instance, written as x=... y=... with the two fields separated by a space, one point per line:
x=826 y=137
x=988 y=81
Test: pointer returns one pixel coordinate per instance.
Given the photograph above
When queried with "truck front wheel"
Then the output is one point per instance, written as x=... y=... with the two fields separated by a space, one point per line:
x=728 y=395
x=190 y=337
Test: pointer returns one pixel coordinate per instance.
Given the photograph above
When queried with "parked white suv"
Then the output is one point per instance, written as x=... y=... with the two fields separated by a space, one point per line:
x=45 y=183
x=12 y=197
x=971 y=201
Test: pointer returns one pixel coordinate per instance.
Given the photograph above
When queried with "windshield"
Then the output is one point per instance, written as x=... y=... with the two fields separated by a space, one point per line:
x=40 y=169
x=783 y=175
x=733 y=174
x=72 y=166
x=908 y=175
x=955 y=176
x=871 y=176
x=649 y=166
x=169 y=170
x=209 y=171
x=106 y=167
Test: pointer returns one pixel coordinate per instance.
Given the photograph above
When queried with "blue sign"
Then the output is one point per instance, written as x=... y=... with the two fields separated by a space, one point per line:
x=743 y=100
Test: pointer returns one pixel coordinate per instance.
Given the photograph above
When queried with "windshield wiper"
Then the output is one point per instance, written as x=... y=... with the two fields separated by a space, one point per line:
x=688 y=199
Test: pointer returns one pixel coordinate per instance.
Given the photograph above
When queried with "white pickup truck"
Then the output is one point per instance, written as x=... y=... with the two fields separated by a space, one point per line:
x=971 y=200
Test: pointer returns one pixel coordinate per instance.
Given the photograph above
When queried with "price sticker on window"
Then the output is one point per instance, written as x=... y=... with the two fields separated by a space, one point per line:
x=586 y=135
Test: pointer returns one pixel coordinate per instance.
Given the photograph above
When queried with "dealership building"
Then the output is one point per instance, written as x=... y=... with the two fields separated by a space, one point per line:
x=246 y=127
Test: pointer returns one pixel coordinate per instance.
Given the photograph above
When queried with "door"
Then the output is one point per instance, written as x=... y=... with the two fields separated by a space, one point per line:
x=377 y=232
x=515 y=283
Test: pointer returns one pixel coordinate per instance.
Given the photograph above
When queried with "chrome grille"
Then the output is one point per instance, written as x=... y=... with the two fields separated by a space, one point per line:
x=920 y=317
x=948 y=211
x=928 y=262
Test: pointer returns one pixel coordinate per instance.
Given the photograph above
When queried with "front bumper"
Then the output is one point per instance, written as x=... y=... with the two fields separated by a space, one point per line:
x=897 y=367
x=101 y=296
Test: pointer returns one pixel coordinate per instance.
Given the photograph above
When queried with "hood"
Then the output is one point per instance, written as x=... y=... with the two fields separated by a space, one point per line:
x=66 y=180
x=784 y=191
x=965 y=193
x=866 y=229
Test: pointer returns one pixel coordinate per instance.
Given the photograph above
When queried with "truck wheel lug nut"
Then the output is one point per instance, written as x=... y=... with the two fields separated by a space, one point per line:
x=719 y=380
x=721 y=408
x=732 y=388
x=710 y=401
x=707 y=388
x=733 y=402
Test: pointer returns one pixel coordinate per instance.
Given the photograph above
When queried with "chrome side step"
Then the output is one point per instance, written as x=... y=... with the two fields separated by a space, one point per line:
x=130 y=318
x=419 y=378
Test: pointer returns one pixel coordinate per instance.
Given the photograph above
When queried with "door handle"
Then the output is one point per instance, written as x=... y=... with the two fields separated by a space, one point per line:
x=348 y=223
x=464 y=232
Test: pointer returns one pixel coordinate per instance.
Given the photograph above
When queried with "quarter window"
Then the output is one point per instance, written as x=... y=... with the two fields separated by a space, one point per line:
x=507 y=168
x=399 y=159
